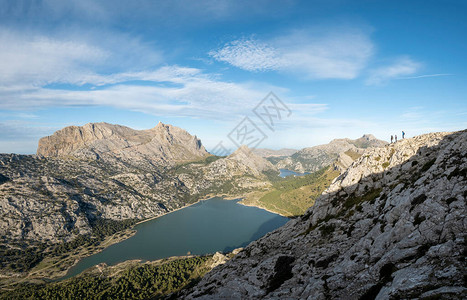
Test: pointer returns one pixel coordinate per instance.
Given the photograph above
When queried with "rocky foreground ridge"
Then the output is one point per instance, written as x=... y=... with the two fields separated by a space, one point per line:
x=392 y=226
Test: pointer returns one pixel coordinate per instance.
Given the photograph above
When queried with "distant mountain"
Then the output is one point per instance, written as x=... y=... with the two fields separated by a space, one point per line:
x=161 y=144
x=392 y=226
x=273 y=153
x=247 y=157
x=315 y=158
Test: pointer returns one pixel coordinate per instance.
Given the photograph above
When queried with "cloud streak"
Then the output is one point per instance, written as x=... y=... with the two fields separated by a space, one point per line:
x=403 y=66
x=31 y=59
x=169 y=91
x=312 y=54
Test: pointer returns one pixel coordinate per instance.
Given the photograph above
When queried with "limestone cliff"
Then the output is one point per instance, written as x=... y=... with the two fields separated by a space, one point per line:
x=392 y=226
x=161 y=144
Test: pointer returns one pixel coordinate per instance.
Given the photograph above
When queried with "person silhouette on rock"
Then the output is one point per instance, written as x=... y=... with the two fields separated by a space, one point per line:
x=403 y=134
x=396 y=138
x=392 y=138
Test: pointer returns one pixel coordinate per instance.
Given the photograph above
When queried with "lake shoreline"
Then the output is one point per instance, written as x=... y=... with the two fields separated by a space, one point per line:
x=263 y=208
x=230 y=197
x=56 y=272
x=214 y=217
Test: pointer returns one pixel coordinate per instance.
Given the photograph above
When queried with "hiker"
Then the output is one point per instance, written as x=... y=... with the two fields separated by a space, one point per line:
x=392 y=138
x=396 y=137
x=403 y=134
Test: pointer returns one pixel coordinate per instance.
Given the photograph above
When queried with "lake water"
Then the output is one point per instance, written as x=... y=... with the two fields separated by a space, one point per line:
x=285 y=173
x=205 y=227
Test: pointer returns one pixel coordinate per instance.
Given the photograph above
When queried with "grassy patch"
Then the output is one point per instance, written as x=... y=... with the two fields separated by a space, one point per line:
x=294 y=195
x=352 y=154
x=369 y=196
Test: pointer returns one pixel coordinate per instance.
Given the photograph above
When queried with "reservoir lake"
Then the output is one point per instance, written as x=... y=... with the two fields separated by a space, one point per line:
x=284 y=173
x=205 y=227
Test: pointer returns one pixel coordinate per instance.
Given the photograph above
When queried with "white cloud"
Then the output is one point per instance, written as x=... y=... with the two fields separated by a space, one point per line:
x=403 y=66
x=168 y=91
x=31 y=60
x=312 y=54
x=248 y=54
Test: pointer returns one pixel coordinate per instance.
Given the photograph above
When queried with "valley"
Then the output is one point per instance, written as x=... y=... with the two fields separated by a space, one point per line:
x=118 y=202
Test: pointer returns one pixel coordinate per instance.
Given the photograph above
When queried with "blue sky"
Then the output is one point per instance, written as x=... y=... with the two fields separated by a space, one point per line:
x=344 y=68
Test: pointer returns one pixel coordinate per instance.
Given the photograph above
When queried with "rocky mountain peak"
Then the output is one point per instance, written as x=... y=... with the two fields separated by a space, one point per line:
x=368 y=137
x=163 y=143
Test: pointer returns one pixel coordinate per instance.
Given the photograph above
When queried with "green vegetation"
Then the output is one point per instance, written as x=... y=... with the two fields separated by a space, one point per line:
x=184 y=167
x=292 y=196
x=138 y=281
x=101 y=228
x=346 y=211
x=23 y=257
x=352 y=154
x=368 y=196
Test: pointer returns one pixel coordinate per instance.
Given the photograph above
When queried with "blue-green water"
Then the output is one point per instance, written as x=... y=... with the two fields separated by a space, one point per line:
x=285 y=173
x=205 y=227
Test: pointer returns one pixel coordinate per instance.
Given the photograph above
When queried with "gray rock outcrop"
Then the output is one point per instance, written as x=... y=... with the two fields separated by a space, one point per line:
x=392 y=226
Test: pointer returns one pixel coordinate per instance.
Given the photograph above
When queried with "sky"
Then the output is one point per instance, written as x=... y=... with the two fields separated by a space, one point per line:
x=335 y=68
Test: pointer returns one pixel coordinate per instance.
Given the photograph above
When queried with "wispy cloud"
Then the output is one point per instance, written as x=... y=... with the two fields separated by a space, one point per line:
x=32 y=59
x=170 y=91
x=248 y=54
x=312 y=54
x=426 y=76
x=403 y=66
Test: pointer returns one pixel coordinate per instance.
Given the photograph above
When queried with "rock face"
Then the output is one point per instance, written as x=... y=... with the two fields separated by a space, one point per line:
x=161 y=144
x=391 y=226
x=247 y=157
x=314 y=158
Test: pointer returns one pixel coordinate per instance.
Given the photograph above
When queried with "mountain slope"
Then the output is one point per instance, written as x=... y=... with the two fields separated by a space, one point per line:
x=392 y=226
x=161 y=144
x=263 y=152
x=315 y=158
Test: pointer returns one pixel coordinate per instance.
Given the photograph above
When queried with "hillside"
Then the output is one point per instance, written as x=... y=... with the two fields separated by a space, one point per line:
x=292 y=196
x=391 y=226
x=88 y=185
x=315 y=158
x=263 y=152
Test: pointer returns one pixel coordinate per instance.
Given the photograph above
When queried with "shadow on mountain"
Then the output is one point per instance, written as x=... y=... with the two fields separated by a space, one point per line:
x=380 y=236
x=266 y=227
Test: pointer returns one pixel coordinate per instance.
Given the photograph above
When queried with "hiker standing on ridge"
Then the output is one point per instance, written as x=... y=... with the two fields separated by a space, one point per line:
x=396 y=138
x=392 y=138
x=403 y=134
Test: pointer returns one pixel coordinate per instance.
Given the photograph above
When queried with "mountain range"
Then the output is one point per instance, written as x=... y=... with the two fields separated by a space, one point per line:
x=389 y=222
